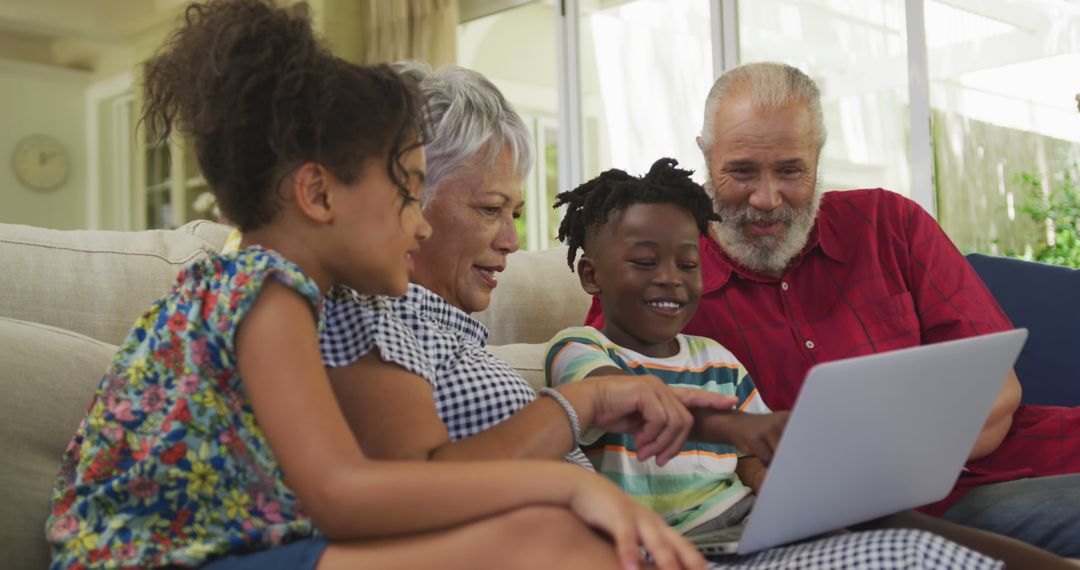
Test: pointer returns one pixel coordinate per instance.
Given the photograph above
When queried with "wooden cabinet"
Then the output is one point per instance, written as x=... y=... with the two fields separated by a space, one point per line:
x=168 y=182
x=173 y=191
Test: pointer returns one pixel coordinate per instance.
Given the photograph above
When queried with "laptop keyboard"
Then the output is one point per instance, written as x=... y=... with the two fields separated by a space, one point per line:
x=726 y=534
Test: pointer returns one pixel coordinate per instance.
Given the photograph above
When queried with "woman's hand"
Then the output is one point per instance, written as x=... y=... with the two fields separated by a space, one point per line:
x=642 y=406
x=631 y=526
x=697 y=398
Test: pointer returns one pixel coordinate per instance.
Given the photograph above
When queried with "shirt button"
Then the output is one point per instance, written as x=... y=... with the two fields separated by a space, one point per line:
x=784 y=285
x=810 y=344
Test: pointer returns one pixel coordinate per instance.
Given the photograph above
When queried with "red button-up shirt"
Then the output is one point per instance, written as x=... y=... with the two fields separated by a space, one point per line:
x=877 y=274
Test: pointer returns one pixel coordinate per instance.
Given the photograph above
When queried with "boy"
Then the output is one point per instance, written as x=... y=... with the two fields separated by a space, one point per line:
x=639 y=238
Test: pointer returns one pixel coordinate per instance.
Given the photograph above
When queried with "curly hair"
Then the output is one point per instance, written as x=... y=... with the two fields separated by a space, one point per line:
x=260 y=96
x=590 y=205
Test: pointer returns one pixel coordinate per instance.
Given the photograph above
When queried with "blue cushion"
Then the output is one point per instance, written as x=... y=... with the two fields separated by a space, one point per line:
x=1045 y=299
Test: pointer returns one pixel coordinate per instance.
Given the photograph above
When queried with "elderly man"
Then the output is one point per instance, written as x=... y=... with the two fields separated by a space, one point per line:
x=793 y=277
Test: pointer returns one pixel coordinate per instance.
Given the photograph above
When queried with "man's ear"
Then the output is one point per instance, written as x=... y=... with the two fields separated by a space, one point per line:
x=700 y=143
x=586 y=271
x=310 y=190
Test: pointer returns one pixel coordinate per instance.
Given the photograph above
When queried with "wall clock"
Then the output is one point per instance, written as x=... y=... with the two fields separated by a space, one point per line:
x=41 y=162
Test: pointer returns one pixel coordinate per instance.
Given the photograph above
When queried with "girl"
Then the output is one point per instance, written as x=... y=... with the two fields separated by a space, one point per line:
x=214 y=438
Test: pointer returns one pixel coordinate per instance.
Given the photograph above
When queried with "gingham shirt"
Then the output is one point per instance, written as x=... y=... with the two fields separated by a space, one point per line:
x=474 y=390
x=887 y=549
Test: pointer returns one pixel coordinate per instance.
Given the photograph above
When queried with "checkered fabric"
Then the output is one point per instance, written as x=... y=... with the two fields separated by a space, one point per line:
x=474 y=390
x=898 y=549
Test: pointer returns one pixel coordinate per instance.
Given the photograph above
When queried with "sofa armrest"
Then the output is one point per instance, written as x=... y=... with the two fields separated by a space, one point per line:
x=95 y=283
x=49 y=377
x=1043 y=299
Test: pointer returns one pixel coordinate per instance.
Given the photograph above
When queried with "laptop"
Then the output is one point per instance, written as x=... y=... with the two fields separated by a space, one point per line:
x=872 y=436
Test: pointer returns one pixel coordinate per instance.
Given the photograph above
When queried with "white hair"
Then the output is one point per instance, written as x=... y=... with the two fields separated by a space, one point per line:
x=766 y=254
x=769 y=86
x=470 y=119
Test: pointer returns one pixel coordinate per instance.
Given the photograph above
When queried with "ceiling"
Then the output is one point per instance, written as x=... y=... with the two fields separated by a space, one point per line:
x=79 y=34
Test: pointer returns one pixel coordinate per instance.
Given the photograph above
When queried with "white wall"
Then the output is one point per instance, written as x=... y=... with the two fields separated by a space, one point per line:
x=40 y=99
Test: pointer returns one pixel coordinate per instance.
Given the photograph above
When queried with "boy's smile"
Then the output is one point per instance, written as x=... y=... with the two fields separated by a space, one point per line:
x=666 y=306
x=644 y=264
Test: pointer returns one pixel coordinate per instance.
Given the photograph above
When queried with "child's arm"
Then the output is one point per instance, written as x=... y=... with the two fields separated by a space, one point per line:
x=392 y=412
x=349 y=497
x=756 y=434
x=753 y=428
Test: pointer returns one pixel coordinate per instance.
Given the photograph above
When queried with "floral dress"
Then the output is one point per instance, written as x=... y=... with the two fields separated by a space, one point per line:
x=169 y=466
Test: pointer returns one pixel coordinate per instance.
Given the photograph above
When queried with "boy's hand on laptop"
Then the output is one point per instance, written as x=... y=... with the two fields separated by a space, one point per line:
x=754 y=434
x=759 y=479
x=751 y=472
x=757 y=434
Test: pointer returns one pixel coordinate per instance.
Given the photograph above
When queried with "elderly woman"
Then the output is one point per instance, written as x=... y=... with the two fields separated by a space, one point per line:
x=438 y=393
x=415 y=382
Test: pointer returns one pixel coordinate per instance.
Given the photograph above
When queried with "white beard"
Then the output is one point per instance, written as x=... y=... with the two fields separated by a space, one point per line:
x=770 y=254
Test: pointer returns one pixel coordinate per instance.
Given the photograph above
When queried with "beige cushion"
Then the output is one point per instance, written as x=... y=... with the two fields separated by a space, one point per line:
x=47 y=378
x=95 y=282
x=527 y=359
x=537 y=297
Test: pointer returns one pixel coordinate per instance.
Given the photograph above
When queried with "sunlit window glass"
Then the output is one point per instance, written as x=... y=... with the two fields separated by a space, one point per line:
x=856 y=50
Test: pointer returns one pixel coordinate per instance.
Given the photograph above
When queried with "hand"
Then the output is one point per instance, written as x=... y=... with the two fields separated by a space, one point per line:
x=759 y=479
x=642 y=406
x=602 y=505
x=698 y=398
x=757 y=434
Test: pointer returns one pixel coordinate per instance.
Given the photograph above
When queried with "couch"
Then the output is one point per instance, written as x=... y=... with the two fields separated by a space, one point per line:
x=67 y=298
x=1031 y=294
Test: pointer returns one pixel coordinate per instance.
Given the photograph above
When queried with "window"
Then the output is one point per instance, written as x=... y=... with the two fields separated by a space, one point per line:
x=995 y=93
x=515 y=48
x=1002 y=88
x=646 y=67
x=856 y=51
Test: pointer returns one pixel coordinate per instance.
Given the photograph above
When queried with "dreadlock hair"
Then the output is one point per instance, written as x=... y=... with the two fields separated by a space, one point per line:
x=590 y=205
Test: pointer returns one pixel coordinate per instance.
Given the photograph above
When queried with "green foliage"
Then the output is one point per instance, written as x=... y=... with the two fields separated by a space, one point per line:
x=1061 y=209
x=522 y=232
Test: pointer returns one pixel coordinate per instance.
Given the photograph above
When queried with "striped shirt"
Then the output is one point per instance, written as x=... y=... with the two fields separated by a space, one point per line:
x=700 y=482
